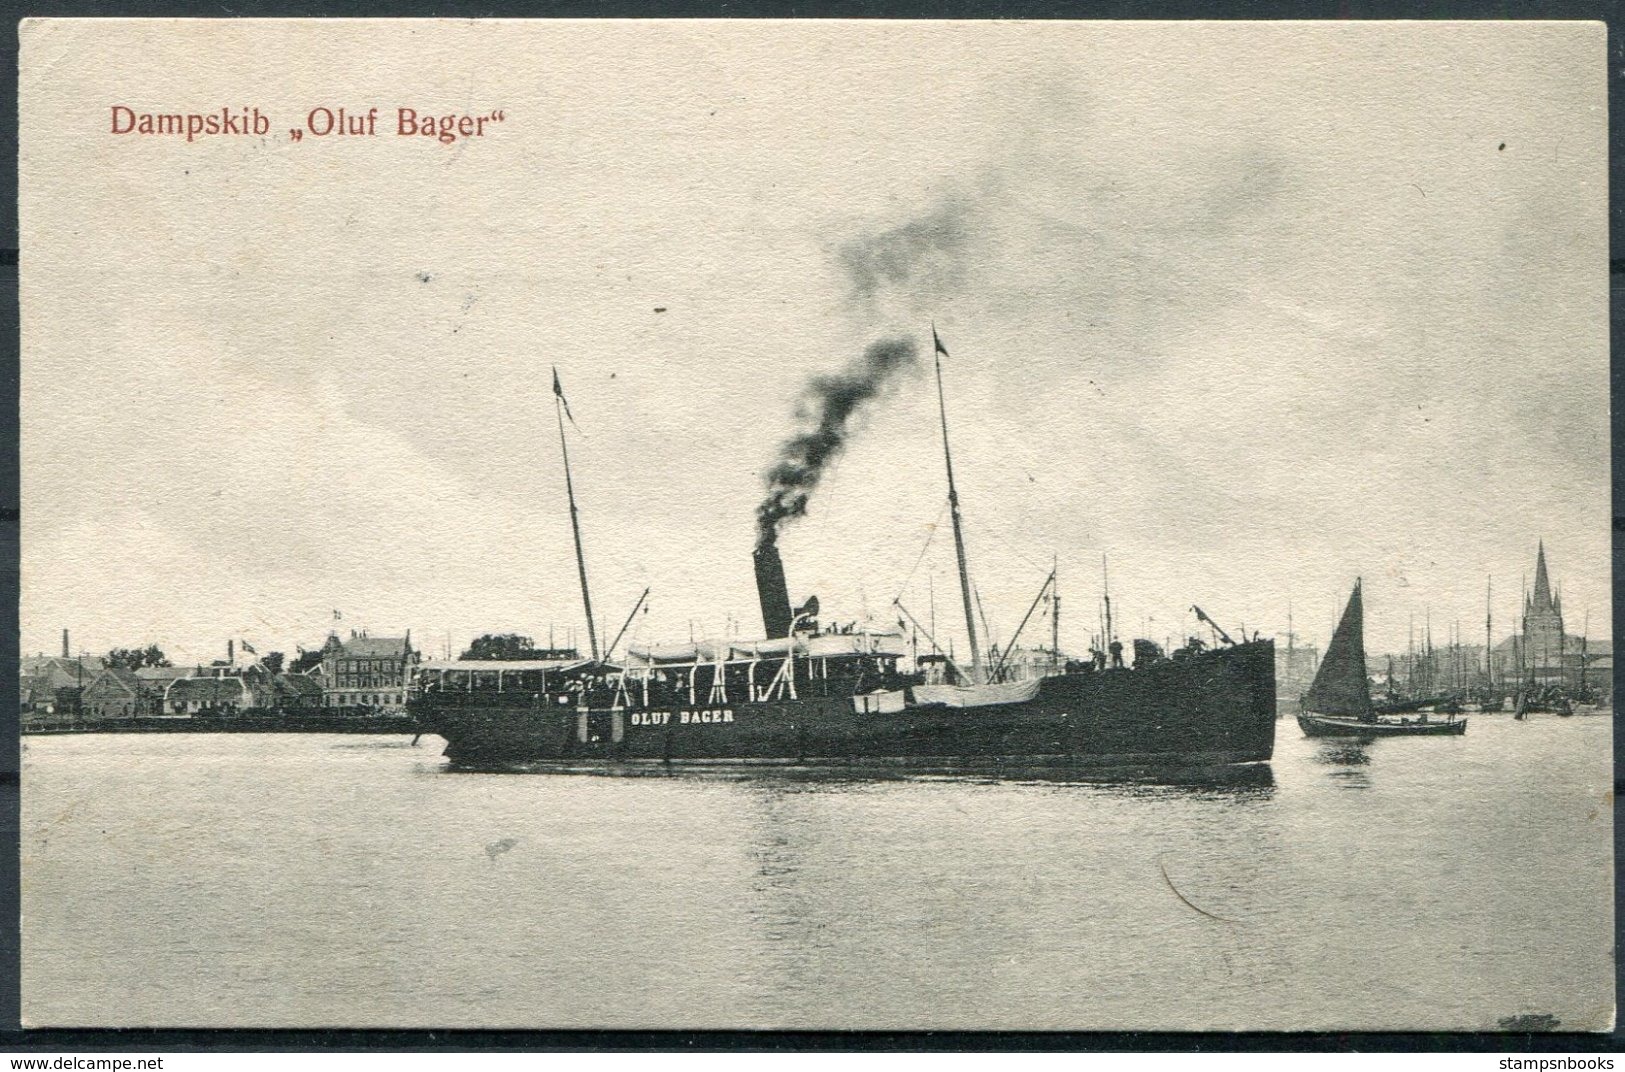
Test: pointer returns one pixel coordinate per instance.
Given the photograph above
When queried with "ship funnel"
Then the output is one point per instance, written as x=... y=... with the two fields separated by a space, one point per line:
x=772 y=591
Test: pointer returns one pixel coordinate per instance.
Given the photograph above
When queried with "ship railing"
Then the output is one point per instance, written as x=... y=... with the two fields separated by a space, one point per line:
x=758 y=678
x=653 y=676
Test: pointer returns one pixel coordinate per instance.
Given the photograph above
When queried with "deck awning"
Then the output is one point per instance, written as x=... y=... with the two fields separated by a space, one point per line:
x=508 y=666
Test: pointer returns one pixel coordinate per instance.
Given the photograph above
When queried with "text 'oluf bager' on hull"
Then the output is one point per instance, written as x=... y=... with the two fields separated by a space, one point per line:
x=805 y=695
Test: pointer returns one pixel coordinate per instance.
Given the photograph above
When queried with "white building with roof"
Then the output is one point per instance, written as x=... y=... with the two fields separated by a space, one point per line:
x=367 y=672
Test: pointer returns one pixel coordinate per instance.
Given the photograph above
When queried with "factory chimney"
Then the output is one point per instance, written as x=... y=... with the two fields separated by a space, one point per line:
x=65 y=654
x=772 y=591
x=231 y=653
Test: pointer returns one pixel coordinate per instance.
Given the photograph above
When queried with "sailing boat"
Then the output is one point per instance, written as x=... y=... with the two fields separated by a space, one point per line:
x=1338 y=703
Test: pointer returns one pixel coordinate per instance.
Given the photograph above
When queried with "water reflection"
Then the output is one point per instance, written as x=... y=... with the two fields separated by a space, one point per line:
x=1253 y=779
x=1343 y=754
x=1346 y=758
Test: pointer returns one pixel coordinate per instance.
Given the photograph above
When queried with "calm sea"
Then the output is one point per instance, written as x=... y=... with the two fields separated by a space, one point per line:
x=311 y=880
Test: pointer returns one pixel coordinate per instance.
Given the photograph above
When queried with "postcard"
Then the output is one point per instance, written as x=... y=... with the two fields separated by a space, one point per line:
x=816 y=525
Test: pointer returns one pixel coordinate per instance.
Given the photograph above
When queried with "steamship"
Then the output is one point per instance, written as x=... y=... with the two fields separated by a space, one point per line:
x=806 y=695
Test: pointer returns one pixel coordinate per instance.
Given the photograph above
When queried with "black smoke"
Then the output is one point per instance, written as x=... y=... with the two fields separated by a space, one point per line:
x=825 y=416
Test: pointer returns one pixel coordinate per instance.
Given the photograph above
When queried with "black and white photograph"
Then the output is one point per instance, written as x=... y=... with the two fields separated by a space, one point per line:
x=815 y=525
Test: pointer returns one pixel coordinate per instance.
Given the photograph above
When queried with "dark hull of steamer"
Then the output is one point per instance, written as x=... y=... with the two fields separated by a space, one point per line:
x=1214 y=708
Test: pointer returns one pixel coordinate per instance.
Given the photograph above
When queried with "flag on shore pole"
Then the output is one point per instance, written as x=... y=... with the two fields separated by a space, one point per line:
x=558 y=389
x=936 y=341
x=249 y=648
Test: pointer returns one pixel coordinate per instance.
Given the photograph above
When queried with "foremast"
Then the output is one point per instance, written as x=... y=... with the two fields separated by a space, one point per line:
x=977 y=676
x=560 y=407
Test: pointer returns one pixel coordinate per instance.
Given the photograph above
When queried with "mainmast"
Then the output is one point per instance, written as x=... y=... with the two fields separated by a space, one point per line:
x=1489 y=659
x=953 y=510
x=559 y=407
x=1106 y=597
x=1055 y=613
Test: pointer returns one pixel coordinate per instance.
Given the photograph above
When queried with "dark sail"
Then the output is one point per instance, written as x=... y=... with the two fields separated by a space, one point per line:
x=1340 y=685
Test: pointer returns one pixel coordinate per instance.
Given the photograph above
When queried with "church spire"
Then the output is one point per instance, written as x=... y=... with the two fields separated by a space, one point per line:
x=1543 y=588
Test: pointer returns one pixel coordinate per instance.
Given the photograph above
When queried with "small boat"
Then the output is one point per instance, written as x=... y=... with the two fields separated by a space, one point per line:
x=1338 y=704
x=1316 y=725
x=1543 y=703
x=1403 y=705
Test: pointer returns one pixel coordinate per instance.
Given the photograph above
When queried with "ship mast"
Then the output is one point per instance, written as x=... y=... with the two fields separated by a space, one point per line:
x=1055 y=613
x=1106 y=597
x=1585 y=639
x=953 y=511
x=1489 y=663
x=1291 y=643
x=575 y=519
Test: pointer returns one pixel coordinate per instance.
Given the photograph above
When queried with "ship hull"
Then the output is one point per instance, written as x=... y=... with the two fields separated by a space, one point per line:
x=1216 y=708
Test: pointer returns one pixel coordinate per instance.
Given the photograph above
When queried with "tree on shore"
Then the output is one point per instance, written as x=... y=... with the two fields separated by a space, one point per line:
x=137 y=658
x=272 y=662
x=501 y=646
x=308 y=660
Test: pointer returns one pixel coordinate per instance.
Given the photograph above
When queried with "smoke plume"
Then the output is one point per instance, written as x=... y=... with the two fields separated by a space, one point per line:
x=920 y=261
x=893 y=275
x=825 y=415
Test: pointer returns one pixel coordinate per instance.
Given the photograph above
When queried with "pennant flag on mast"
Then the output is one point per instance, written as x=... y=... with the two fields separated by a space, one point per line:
x=936 y=341
x=558 y=389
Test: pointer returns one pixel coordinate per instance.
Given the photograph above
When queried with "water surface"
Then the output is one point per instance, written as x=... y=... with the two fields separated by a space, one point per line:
x=264 y=880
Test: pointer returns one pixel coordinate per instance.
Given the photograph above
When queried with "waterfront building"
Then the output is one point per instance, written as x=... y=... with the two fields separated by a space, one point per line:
x=51 y=672
x=297 y=692
x=159 y=677
x=52 y=684
x=367 y=672
x=120 y=693
x=208 y=695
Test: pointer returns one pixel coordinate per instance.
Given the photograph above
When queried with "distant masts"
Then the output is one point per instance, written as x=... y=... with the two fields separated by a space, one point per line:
x=1584 y=642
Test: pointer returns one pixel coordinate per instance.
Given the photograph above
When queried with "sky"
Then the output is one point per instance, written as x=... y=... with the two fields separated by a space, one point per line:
x=1251 y=310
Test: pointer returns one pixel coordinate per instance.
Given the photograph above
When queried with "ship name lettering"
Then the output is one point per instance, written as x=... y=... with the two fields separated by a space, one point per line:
x=707 y=715
x=660 y=718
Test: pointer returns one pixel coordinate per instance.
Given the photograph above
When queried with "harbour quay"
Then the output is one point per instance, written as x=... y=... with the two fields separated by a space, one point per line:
x=354 y=684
